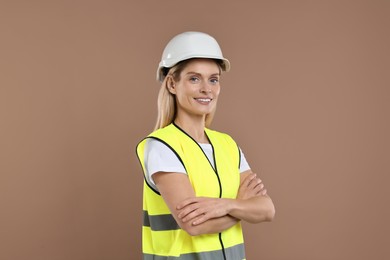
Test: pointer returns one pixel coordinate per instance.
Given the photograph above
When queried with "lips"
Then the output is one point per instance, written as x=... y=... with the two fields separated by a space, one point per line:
x=203 y=100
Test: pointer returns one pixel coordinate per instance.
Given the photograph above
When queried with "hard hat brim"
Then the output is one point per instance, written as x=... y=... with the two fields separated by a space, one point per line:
x=170 y=63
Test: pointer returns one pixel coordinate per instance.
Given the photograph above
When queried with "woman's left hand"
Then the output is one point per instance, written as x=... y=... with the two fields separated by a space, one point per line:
x=201 y=209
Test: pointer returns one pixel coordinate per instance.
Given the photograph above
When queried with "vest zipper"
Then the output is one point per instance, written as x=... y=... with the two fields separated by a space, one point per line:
x=223 y=247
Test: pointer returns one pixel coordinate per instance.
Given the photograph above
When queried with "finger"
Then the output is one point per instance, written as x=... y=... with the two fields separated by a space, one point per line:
x=207 y=215
x=192 y=210
x=186 y=202
x=201 y=219
x=248 y=179
x=257 y=190
x=187 y=210
x=193 y=215
x=254 y=183
x=262 y=186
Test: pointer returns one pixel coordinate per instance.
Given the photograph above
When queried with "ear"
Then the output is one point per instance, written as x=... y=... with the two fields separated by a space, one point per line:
x=171 y=86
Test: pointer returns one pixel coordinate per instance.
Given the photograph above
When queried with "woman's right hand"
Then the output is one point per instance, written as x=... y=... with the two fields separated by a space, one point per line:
x=250 y=187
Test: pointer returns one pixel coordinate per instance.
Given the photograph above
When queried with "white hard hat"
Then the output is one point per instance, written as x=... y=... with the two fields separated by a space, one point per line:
x=189 y=45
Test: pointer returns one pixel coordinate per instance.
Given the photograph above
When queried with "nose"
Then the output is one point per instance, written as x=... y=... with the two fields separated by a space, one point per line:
x=205 y=88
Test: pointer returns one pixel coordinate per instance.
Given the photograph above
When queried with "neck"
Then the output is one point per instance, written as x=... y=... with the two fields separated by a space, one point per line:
x=195 y=128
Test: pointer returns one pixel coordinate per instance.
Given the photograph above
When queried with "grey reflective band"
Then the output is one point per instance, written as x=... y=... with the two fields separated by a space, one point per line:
x=160 y=222
x=236 y=252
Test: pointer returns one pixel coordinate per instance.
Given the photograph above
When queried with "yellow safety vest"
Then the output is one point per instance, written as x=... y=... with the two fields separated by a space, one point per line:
x=162 y=238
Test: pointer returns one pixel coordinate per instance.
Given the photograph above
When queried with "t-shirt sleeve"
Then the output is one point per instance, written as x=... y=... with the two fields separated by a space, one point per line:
x=160 y=158
x=244 y=166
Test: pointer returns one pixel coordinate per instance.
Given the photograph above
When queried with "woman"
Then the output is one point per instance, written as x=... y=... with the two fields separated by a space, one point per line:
x=198 y=186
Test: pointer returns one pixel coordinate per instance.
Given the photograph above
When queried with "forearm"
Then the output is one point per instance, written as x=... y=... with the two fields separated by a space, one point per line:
x=211 y=226
x=253 y=210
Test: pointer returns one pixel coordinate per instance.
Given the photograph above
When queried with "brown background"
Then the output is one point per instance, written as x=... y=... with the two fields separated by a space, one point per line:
x=307 y=99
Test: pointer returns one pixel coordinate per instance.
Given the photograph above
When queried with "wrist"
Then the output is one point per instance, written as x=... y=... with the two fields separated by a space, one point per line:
x=232 y=204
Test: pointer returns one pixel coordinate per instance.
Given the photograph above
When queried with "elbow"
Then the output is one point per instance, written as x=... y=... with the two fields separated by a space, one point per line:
x=267 y=214
x=193 y=232
x=191 y=229
x=270 y=213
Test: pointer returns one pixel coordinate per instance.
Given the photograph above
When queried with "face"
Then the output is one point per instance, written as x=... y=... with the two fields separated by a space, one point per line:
x=198 y=89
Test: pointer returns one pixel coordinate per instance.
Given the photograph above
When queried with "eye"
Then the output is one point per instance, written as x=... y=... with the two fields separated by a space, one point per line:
x=214 y=80
x=194 y=79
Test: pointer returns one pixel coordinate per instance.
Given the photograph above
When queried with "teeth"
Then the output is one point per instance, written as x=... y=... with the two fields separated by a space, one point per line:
x=204 y=99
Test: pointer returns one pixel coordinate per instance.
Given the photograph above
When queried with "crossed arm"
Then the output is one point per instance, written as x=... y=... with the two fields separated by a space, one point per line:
x=202 y=215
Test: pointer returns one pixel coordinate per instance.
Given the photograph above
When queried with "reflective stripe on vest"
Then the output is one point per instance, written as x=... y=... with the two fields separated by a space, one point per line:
x=235 y=252
x=162 y=238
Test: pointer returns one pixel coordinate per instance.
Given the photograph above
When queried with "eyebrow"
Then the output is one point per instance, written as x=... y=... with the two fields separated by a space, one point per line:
x=200 y=74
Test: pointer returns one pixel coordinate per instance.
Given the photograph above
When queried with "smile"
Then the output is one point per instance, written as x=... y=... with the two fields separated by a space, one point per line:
x=203 y=100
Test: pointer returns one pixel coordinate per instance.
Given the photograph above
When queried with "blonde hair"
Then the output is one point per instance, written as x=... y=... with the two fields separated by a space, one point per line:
x=166 y=101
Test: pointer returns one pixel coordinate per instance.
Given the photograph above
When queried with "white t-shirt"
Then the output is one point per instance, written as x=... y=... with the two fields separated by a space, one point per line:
x=160 y=158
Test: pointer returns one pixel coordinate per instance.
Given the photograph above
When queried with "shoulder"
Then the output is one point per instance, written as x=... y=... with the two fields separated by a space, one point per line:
x=167 y=131
x=220 y=135
x=162 y=136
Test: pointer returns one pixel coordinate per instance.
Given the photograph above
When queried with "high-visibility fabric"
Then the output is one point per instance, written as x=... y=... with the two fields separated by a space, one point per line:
x=162 y=238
